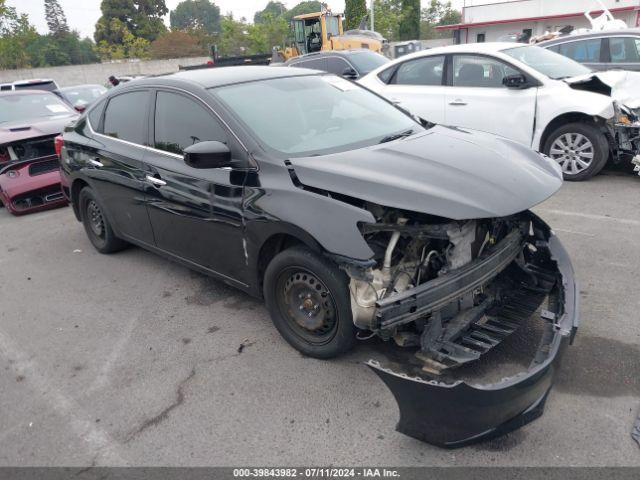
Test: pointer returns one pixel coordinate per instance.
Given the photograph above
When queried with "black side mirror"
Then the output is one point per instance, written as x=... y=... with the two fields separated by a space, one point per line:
x=515 y=81
x=350 y=74
x=207 y=155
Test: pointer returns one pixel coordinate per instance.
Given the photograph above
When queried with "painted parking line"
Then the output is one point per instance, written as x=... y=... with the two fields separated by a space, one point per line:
x=100 y=446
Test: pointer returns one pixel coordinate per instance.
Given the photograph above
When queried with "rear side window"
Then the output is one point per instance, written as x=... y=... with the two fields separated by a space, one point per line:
x=126 y=117
x=94 y=116
x=421 y=71
x=180 y=122
x=624 y=50
x=582 y=51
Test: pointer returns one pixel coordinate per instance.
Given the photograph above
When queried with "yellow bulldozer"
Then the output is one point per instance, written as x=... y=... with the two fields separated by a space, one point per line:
x=320 y=31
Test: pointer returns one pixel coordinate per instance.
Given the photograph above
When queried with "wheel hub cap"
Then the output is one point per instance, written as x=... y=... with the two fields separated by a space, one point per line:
x=573 y=151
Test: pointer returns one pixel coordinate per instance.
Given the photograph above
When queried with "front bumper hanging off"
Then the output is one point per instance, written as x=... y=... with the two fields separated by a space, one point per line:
x=457 y=414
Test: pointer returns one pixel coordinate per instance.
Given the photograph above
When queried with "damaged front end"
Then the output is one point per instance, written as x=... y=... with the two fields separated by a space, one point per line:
x=475 y=315
x=624 y=129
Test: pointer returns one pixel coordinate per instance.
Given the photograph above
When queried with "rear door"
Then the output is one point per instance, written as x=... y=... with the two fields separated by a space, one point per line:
x=114 y=162
x=417 y=85
x=478 y=99
x=196 y=214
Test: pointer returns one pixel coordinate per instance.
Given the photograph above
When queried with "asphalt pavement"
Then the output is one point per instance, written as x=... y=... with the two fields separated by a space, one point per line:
x=129 y=359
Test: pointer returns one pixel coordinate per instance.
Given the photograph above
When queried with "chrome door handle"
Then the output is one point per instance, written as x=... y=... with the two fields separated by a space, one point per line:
x=95 y=163
x=155 y=181
x=458 y=103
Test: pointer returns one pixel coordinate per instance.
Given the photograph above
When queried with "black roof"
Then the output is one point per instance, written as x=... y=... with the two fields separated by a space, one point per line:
x=580 y=36
x=330 y=53
x=216 y=77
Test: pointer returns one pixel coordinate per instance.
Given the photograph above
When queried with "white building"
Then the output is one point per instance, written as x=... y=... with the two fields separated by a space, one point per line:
x=491 y=20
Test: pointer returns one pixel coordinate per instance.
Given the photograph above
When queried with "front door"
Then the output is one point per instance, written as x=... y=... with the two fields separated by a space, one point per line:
x=477 y=99
x=196 y=214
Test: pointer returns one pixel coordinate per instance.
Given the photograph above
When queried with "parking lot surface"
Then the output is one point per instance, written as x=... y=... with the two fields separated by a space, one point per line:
x=129 y=359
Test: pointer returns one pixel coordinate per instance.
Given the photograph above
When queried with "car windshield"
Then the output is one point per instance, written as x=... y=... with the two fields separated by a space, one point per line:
x=368 y=61
x=15 y=108
x=314 y=115
x=84 y=94
x=549 y=63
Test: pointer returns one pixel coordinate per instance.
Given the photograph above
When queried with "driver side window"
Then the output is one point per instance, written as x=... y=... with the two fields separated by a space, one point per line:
x=180 y=122
x=479 y=71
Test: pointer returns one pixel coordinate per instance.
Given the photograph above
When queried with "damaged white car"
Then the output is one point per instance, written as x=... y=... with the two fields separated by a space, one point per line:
x=534 y=96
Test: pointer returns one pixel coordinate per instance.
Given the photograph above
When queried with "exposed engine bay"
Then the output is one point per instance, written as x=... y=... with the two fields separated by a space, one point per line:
x=32 y=148
x=450 y=290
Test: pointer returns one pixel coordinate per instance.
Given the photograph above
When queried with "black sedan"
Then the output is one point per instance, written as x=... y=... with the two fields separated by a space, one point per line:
x=352 y=220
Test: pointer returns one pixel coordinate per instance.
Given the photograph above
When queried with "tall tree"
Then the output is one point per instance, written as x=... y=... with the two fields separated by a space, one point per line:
x=196 y=15
x=388 y=14
x=142 y=19
x=354 y=12
x=276 y=9
x=56 y=19
x=436 y=14
x=309 y=6
x=409 y=28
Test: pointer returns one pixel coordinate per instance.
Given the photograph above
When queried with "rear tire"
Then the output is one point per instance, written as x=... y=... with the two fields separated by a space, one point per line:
x=97 y=225
x=309 y=302
x=581 y=149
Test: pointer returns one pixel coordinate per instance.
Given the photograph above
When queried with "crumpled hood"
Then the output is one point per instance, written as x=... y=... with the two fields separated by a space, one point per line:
x=448 y=172
x=40 y=127
x=620 y=85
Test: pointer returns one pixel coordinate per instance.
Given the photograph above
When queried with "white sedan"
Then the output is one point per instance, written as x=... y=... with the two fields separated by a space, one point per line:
x=522 y=92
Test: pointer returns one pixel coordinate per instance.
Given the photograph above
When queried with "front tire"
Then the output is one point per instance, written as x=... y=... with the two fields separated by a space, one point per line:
x=97 y=225
x=309 y=302
x=581 y=150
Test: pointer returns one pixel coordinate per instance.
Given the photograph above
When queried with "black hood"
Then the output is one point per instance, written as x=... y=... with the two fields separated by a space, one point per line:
x=448 y=172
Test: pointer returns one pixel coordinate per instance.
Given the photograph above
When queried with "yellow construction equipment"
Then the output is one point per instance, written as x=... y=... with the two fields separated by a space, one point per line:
x=315 y=32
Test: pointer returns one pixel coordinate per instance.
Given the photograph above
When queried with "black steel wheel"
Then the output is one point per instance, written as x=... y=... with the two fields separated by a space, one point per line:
x=308 y=298
x=96 y=223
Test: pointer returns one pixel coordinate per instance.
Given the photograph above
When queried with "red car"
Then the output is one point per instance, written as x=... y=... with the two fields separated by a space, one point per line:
x=29 y=167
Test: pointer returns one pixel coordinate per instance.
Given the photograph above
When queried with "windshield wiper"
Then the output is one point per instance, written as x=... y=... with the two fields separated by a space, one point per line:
x=396 y=136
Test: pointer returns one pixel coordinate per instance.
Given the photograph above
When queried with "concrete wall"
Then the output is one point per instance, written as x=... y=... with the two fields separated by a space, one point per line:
x=99 y=72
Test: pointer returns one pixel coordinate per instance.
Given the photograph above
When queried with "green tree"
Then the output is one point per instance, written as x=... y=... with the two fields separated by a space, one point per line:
x=196 y=15
x=16 y=35
x=56 y=19
x=142 y=19
x=122 y=44
x=436 y=14
x=270 y=32
x=409 y=28
x=276 y=9
x=310 y=6
x=233 y=37
x=354 y=12
x=388 y=14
